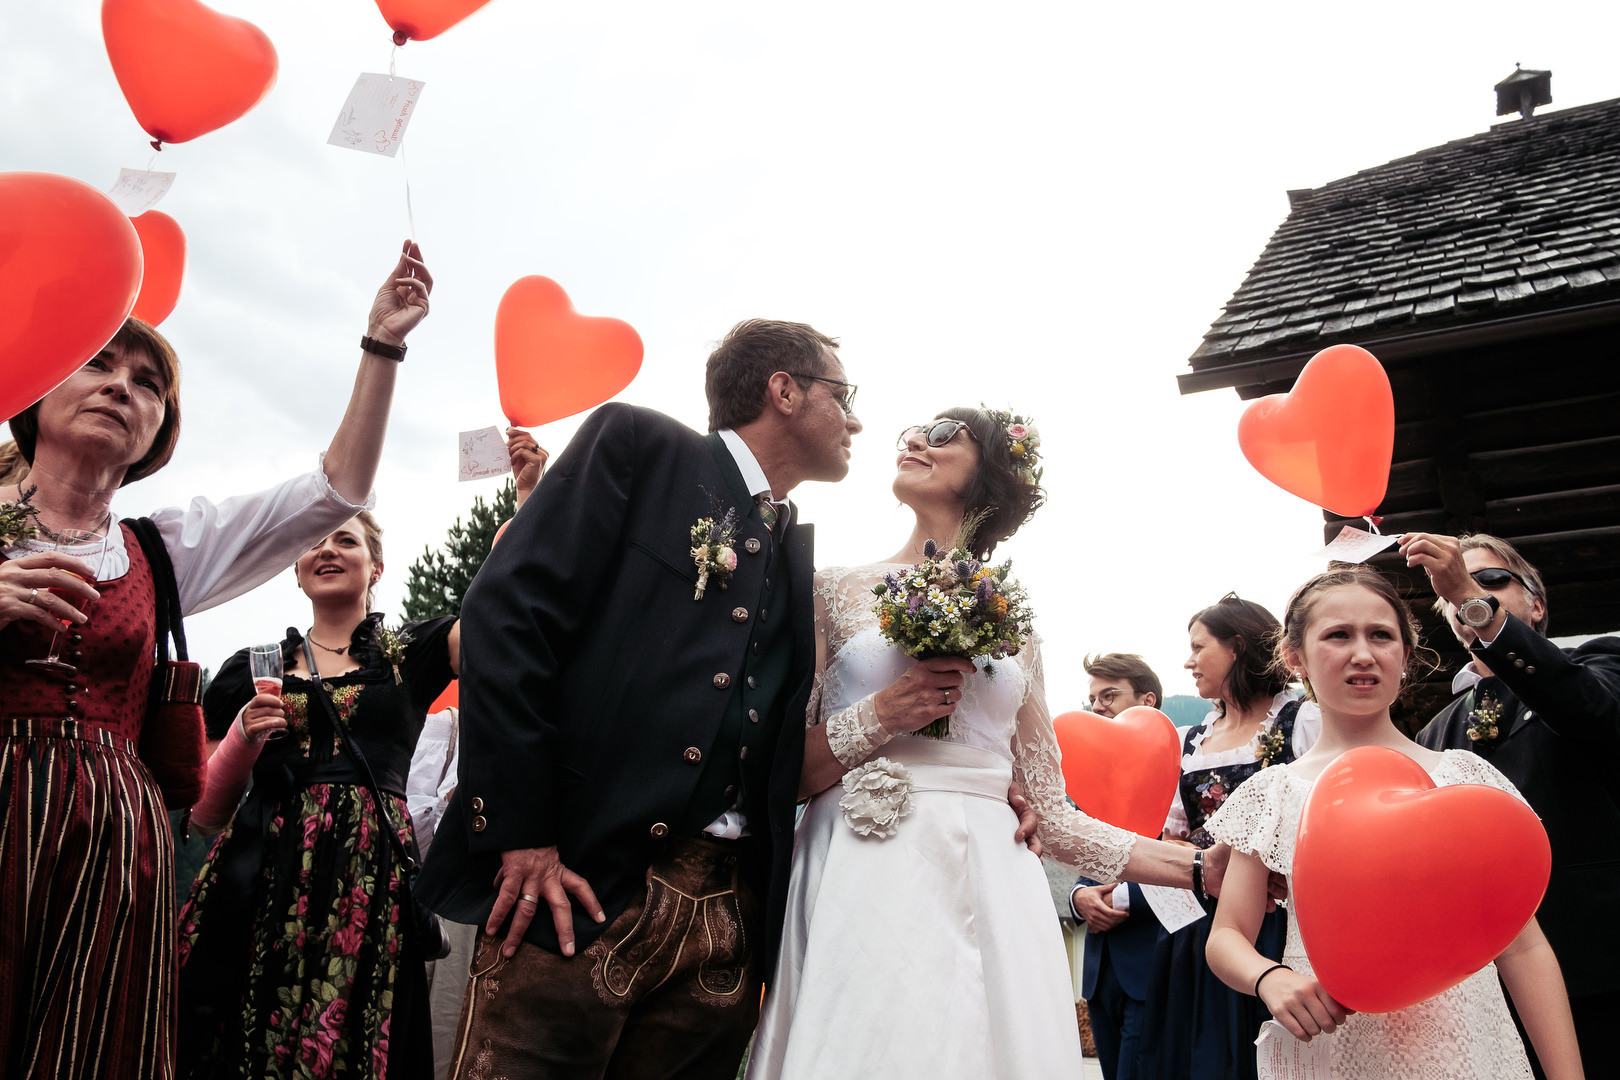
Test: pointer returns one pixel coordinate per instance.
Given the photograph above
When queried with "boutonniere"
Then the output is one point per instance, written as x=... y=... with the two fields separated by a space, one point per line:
x=1485 y=718
x=1268 y=743
x=391 y=643
x=17 y=523
x=712 y=550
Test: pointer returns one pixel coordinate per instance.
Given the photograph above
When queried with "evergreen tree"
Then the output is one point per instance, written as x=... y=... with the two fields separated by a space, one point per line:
x=438 y=580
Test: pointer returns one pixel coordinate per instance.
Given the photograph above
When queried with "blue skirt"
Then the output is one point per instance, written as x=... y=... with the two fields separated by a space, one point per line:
x=1195 y=1027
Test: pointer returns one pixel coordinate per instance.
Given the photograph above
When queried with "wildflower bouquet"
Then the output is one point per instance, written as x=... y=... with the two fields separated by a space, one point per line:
x=951 y=604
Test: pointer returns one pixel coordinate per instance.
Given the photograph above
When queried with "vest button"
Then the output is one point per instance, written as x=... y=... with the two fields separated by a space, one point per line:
x=1531 y=670
x=1518 y=663
x=721 y=681
x=753 y=683
x=75 y=656
x=75 y=638
x=477 y=805
x=767 y=583
x=73 y=706
x=753 y=716
x=72 y=688
x=693 y=754
x=751 y=546
x=762 y=614
x=659 y=830
x=743 y=753
x=479 y=824
x=756 y=648
x=739 y=614
x=731 y=790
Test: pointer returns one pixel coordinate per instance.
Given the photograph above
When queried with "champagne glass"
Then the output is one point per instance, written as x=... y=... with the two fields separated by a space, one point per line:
x=89 y=546
x=264 y=663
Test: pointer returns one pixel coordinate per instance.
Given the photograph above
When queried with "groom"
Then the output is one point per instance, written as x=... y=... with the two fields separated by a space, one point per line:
x=633 y=710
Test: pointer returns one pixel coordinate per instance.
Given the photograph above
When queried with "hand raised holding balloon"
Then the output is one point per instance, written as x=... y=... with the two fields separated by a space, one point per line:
x=528 y=461
x=1441 y=558
x=402 y=302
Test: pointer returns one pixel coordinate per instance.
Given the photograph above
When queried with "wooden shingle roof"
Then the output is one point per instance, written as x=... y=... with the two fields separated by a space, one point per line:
x=1519 y=220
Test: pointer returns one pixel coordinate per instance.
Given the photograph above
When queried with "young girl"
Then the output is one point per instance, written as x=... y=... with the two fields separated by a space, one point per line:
x=1350 y=637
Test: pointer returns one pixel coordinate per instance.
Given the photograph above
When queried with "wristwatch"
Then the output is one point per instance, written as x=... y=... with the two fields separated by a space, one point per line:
x=1477 y=611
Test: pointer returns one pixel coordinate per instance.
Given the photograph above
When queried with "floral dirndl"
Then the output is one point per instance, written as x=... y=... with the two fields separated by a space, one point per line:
x=296 y=957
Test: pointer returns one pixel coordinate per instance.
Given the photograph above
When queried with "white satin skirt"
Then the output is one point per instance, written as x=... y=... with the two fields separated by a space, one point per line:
x=933 y=953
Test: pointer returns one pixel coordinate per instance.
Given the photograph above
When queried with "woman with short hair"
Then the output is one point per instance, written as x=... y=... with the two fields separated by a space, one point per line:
x=87 y=911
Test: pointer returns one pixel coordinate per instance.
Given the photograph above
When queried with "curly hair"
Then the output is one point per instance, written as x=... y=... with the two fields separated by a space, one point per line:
x=999 y=500
x=1250 y=631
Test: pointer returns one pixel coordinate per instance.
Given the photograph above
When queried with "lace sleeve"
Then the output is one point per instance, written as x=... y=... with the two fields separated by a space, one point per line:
x=853 y=733
x=1261 y=817
x=1096 y=849
x=1467 y=767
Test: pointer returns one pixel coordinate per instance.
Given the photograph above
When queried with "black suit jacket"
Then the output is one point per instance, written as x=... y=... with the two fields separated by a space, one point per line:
x=1560 y=745
x=588 y=670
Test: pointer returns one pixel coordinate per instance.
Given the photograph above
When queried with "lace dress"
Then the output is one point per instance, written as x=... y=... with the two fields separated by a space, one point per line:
x=931 y=952
x=1464 y=1033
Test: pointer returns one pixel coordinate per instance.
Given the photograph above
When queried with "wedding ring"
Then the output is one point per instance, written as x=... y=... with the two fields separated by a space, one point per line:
x=32 y=594
x=530 y=899
x=947 y=697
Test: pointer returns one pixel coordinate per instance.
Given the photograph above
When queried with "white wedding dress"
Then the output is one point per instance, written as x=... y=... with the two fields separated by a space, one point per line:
x=933 y=952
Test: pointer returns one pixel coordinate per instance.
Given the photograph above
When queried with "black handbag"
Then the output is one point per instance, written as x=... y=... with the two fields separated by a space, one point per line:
x=424 y=924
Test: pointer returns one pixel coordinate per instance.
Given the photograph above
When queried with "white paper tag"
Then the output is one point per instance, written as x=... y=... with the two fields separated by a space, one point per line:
x=374 y=118
x=483 y=453
x=1280 y=1056
x=138 y=190
x=1174 y=908
x=1355 y=545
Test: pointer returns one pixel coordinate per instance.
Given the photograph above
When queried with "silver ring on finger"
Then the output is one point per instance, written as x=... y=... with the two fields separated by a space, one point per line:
x=947 y=697
x=33 y=597
x=530 y=899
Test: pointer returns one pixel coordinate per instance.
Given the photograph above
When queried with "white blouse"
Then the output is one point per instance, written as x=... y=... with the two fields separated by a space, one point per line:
x=222 y=550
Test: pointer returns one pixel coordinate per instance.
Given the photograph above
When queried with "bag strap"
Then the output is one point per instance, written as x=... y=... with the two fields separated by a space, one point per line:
x=169 y=621
x=318 y=692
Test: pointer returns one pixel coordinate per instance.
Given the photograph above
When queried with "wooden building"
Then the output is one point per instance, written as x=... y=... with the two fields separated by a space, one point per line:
x=1485 y=275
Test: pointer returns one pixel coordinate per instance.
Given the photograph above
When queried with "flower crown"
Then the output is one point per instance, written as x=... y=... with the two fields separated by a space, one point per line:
x=1023 y=443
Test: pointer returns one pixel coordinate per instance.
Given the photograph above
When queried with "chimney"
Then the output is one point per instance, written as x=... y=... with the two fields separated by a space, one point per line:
x=1522 y=91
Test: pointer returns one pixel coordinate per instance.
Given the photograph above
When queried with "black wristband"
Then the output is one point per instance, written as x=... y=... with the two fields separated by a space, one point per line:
x=1198 y=871
x=377 y=348
x=1266 y=972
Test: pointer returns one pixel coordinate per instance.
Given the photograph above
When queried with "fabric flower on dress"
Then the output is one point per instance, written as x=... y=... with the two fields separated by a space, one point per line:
x=877 y=795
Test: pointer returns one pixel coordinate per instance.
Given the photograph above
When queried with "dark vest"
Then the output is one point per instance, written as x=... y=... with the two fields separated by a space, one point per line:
x=735 y=766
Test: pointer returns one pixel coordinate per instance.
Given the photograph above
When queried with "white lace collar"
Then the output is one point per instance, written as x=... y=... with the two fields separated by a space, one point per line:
x=1237 y=755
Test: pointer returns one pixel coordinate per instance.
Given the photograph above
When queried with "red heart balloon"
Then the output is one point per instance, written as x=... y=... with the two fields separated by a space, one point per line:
x=1398 y=885
x=163 y=246
x=1122 y=769
x=553 y=362
x=185 y=69
x=70 y=267
x=418 y=20
x=449 y=697
x=1331 y=438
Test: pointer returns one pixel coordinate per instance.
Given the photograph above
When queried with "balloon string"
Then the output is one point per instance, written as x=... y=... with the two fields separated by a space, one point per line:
x=410 y=216
x=393 y=55
x=1372 y=524
x=151 y=161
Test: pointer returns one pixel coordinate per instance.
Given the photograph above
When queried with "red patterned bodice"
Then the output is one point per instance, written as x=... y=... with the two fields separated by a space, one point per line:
x=114 y=652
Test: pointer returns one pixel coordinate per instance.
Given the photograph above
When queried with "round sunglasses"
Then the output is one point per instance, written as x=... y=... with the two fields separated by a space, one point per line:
x=937 y=433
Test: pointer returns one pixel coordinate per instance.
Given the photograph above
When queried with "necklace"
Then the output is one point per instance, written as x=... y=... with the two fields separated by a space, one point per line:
x=328 y=648
x=24 y=499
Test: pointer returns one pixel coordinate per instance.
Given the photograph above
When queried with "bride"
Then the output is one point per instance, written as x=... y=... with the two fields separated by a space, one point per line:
x=933 y=951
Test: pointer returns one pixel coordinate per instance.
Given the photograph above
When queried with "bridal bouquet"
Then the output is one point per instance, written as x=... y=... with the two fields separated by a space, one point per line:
x=951 y=604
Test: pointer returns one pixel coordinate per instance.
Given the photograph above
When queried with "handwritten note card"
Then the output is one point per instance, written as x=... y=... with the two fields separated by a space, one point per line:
x=1175 y=908
x=483 y=453
x=1283 y=1057
x=374 y=118
x=1354 y=545
x=138 y=190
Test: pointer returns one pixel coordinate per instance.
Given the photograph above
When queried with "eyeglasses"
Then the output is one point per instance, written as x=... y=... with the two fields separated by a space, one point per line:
x=1495 y=577
x=846 y=401
x=937 y=433
x=1106 y=698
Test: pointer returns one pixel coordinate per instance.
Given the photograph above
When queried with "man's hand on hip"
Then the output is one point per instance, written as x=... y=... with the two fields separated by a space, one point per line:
x=529 y=877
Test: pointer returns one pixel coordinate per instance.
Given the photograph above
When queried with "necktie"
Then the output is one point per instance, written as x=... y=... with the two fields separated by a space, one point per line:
x=767 y=512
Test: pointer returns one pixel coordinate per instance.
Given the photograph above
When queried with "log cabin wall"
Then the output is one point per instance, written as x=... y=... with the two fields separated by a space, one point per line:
x=1485 y=275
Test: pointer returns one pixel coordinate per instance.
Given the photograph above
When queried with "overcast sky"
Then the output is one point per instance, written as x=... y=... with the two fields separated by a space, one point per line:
x=1035 y=205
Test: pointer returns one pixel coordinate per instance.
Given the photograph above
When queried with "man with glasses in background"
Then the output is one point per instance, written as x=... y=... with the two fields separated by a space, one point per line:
x=1121 y=928
x=1549 y=719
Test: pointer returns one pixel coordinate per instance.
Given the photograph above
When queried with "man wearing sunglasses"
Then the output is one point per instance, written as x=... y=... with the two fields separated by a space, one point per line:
x=1549 y=719
x=1121 y=927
